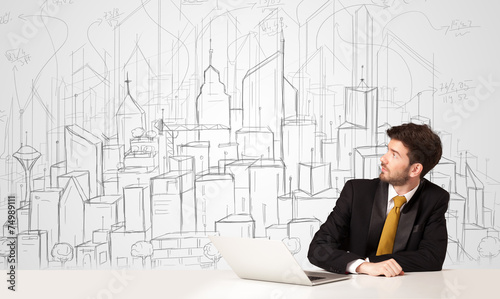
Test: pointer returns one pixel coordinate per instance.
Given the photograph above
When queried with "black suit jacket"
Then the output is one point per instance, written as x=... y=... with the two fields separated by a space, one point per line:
x=352 y=230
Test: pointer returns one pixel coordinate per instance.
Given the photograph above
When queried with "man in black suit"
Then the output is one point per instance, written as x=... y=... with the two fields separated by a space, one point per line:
x=356 y=238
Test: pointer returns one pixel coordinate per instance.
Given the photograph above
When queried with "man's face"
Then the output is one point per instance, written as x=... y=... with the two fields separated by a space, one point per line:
x=395 y=164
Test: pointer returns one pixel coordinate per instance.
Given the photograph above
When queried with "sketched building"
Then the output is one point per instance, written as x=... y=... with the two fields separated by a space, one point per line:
x=136 y=208
x=298 y=144
x=362 y=56
x=84 y=152
x=57 y=170
x=360 y=127
x=101 y=213
x=94 y=254
x=113 y=155
x=455 y=224
x=131 y=176
x=121 y=243
x=45 y=214
x=236 y=225
x=255 y=143
x=475 y=198
x=23 y=218
x=444 y=174
x=267 y=182
x=71 y=214
x=300 y=205
x=213 y=103
x=367 y=161
x=142 y=152
x=240 y=170
x=328 y=151
x=186 y=250
x=172 y=203
x=183 y=163
x=82 y=177
x=314 y=177
x=32 y=250
x=264 y=90
x=200 y=151
x=177 y=139
x=214 y=200
x=362 y=109
x=129 y=116
x=205 y=139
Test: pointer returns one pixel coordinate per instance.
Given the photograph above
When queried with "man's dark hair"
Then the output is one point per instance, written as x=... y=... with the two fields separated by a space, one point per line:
x=424 y=146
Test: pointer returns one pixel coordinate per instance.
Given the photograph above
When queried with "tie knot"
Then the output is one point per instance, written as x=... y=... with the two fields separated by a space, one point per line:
x=399 y=201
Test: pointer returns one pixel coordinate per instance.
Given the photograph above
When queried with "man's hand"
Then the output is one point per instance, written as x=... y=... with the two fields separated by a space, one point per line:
x=389 y=268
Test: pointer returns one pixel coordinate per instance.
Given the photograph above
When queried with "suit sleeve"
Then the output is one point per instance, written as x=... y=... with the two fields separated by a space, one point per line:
x=431 y=250
x=325 y=250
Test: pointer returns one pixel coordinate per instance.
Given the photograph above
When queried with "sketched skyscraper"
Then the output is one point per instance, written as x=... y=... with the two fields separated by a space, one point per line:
x=264 y=87
x=212 y=103
x=84 y=152
x=361 y=99
x=362 y=58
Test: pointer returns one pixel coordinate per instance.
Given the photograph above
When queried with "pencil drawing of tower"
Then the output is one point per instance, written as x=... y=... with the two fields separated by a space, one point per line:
x=263 y=96
x=129 y=116
x=361 y=99
x=213 y=102
x=362 y=58
x=27 y=156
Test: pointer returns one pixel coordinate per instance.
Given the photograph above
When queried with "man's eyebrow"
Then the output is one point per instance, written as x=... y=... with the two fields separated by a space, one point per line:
x=395 y=151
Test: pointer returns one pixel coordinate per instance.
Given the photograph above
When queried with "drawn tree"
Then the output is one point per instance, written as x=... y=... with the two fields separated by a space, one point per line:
x=151 y=134
x=138 y=132
x=4 y=249
x=212 y=253
x=489 y=247
x=293 y=245
x=142 y=249
x=63 y=252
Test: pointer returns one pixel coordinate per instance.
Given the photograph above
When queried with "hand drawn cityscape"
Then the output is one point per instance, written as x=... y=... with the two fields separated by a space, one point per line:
x=134 y=130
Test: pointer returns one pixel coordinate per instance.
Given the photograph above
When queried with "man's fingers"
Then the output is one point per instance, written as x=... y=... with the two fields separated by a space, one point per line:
x=396 y=267
x=388 y=268
x=392 y=268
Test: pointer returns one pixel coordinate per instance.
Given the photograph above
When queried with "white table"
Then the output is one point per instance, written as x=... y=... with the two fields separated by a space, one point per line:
x=461 y=283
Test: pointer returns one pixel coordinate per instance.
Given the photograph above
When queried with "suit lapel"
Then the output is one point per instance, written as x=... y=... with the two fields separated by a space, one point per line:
x=407 y=220
x=377 y=219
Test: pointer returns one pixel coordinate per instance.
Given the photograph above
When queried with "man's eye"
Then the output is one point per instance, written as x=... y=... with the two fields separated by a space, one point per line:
x=394 y=155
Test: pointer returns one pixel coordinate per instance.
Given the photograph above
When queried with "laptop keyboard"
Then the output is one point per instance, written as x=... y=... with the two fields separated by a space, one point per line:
x=313 y=278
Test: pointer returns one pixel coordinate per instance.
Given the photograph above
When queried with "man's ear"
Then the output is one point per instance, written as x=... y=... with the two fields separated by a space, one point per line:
x=416 y=169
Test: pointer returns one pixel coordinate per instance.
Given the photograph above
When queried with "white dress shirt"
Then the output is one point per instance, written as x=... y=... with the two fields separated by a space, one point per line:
x=391 y=193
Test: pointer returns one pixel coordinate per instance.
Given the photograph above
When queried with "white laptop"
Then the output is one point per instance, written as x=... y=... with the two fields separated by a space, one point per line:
x=268 y=260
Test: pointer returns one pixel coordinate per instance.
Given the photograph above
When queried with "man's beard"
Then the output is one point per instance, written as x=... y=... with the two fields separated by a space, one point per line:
x=399 y=180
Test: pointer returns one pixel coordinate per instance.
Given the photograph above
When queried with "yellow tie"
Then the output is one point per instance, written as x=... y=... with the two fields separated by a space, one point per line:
x=386 y=243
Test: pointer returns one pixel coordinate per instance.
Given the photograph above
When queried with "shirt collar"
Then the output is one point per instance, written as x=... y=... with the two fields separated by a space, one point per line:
x=392 y=192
